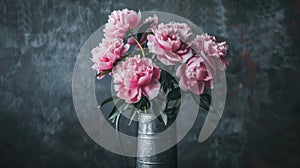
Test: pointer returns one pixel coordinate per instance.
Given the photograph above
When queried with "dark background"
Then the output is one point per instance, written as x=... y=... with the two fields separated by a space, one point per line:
x=41 y=39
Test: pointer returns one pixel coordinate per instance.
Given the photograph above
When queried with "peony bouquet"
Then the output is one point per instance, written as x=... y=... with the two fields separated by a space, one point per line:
x=132 y=59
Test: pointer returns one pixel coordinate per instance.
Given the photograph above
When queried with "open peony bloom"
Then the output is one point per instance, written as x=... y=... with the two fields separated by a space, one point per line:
x=170 y=42
x=207 y=47
x=135 y=77
x=107 y=53
x=120 y=21
x=194 y=76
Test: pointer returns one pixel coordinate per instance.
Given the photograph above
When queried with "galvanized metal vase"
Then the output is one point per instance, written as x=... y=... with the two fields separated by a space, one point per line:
x=149 y=126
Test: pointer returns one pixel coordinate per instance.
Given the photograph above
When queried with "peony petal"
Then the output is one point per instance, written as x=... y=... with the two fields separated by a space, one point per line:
x=182 y=84
x=146 y=79
x=197 y=87
x=131 y=41
x=117 y=87
x=163 y=44
x=105 y=65
x=123 y=93
x=132 y=93
x=151 y=90
x=136 y=98
x=180 y=72
x=156 y=73
x=151 y=38
x=173 y=57
x=164 y=60
x=154 y=47
x=131 y=19
x=186 y=56
x=125 y=48
x=96 y=51
x=133 y=83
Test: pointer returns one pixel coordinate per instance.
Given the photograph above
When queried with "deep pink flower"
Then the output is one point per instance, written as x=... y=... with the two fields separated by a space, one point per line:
x=194 y=76
x=135 y=77
x=107 y=53
x=207 y=46
x=120 y=21
x=171 y=42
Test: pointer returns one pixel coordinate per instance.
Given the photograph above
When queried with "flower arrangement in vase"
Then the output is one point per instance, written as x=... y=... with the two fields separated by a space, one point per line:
x=133 y=47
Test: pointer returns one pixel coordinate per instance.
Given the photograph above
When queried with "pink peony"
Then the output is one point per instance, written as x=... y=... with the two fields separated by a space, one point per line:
x=194 y=76
x=206 y=46
x=120 y=21
x=107 y=53
x=171 y=43
x=135 y=77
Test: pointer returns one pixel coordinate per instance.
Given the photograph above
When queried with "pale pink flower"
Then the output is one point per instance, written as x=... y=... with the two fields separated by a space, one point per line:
x=135 y=77
x=171 y=42
x=107 y=53
x=194 y=76
x=120 y=21
x=211 y=50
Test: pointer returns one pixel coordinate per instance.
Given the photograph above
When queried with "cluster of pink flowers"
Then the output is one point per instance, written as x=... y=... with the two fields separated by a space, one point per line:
x=112 y=47
x=135 y=76
x=194 y=74
x=172 y=43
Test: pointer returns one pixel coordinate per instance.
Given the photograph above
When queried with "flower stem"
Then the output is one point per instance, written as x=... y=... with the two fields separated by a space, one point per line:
x=139 y=44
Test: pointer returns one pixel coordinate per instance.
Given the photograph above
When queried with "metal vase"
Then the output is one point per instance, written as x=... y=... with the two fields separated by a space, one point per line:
x=149 y=125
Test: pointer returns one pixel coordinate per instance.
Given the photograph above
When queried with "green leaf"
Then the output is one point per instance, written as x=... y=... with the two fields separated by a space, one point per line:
x=113 y=120
x=165 y=89
x=115 y=110
x=171 y=110
x=145 y=27
x=133 y=113
x=174 y=94
x=159 y=117
x=117 y=122
x=129 y=54
x=107 y=101
x=164 y=118
x=139 y=36
x=205 y=100
x=113 y=113
x=142 y=30
x=169 y=77
x=143 y=104
x=104 y=72
x=167 y=81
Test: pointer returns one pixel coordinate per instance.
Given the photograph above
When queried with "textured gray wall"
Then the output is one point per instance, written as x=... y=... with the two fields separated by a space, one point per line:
x=40 y=40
